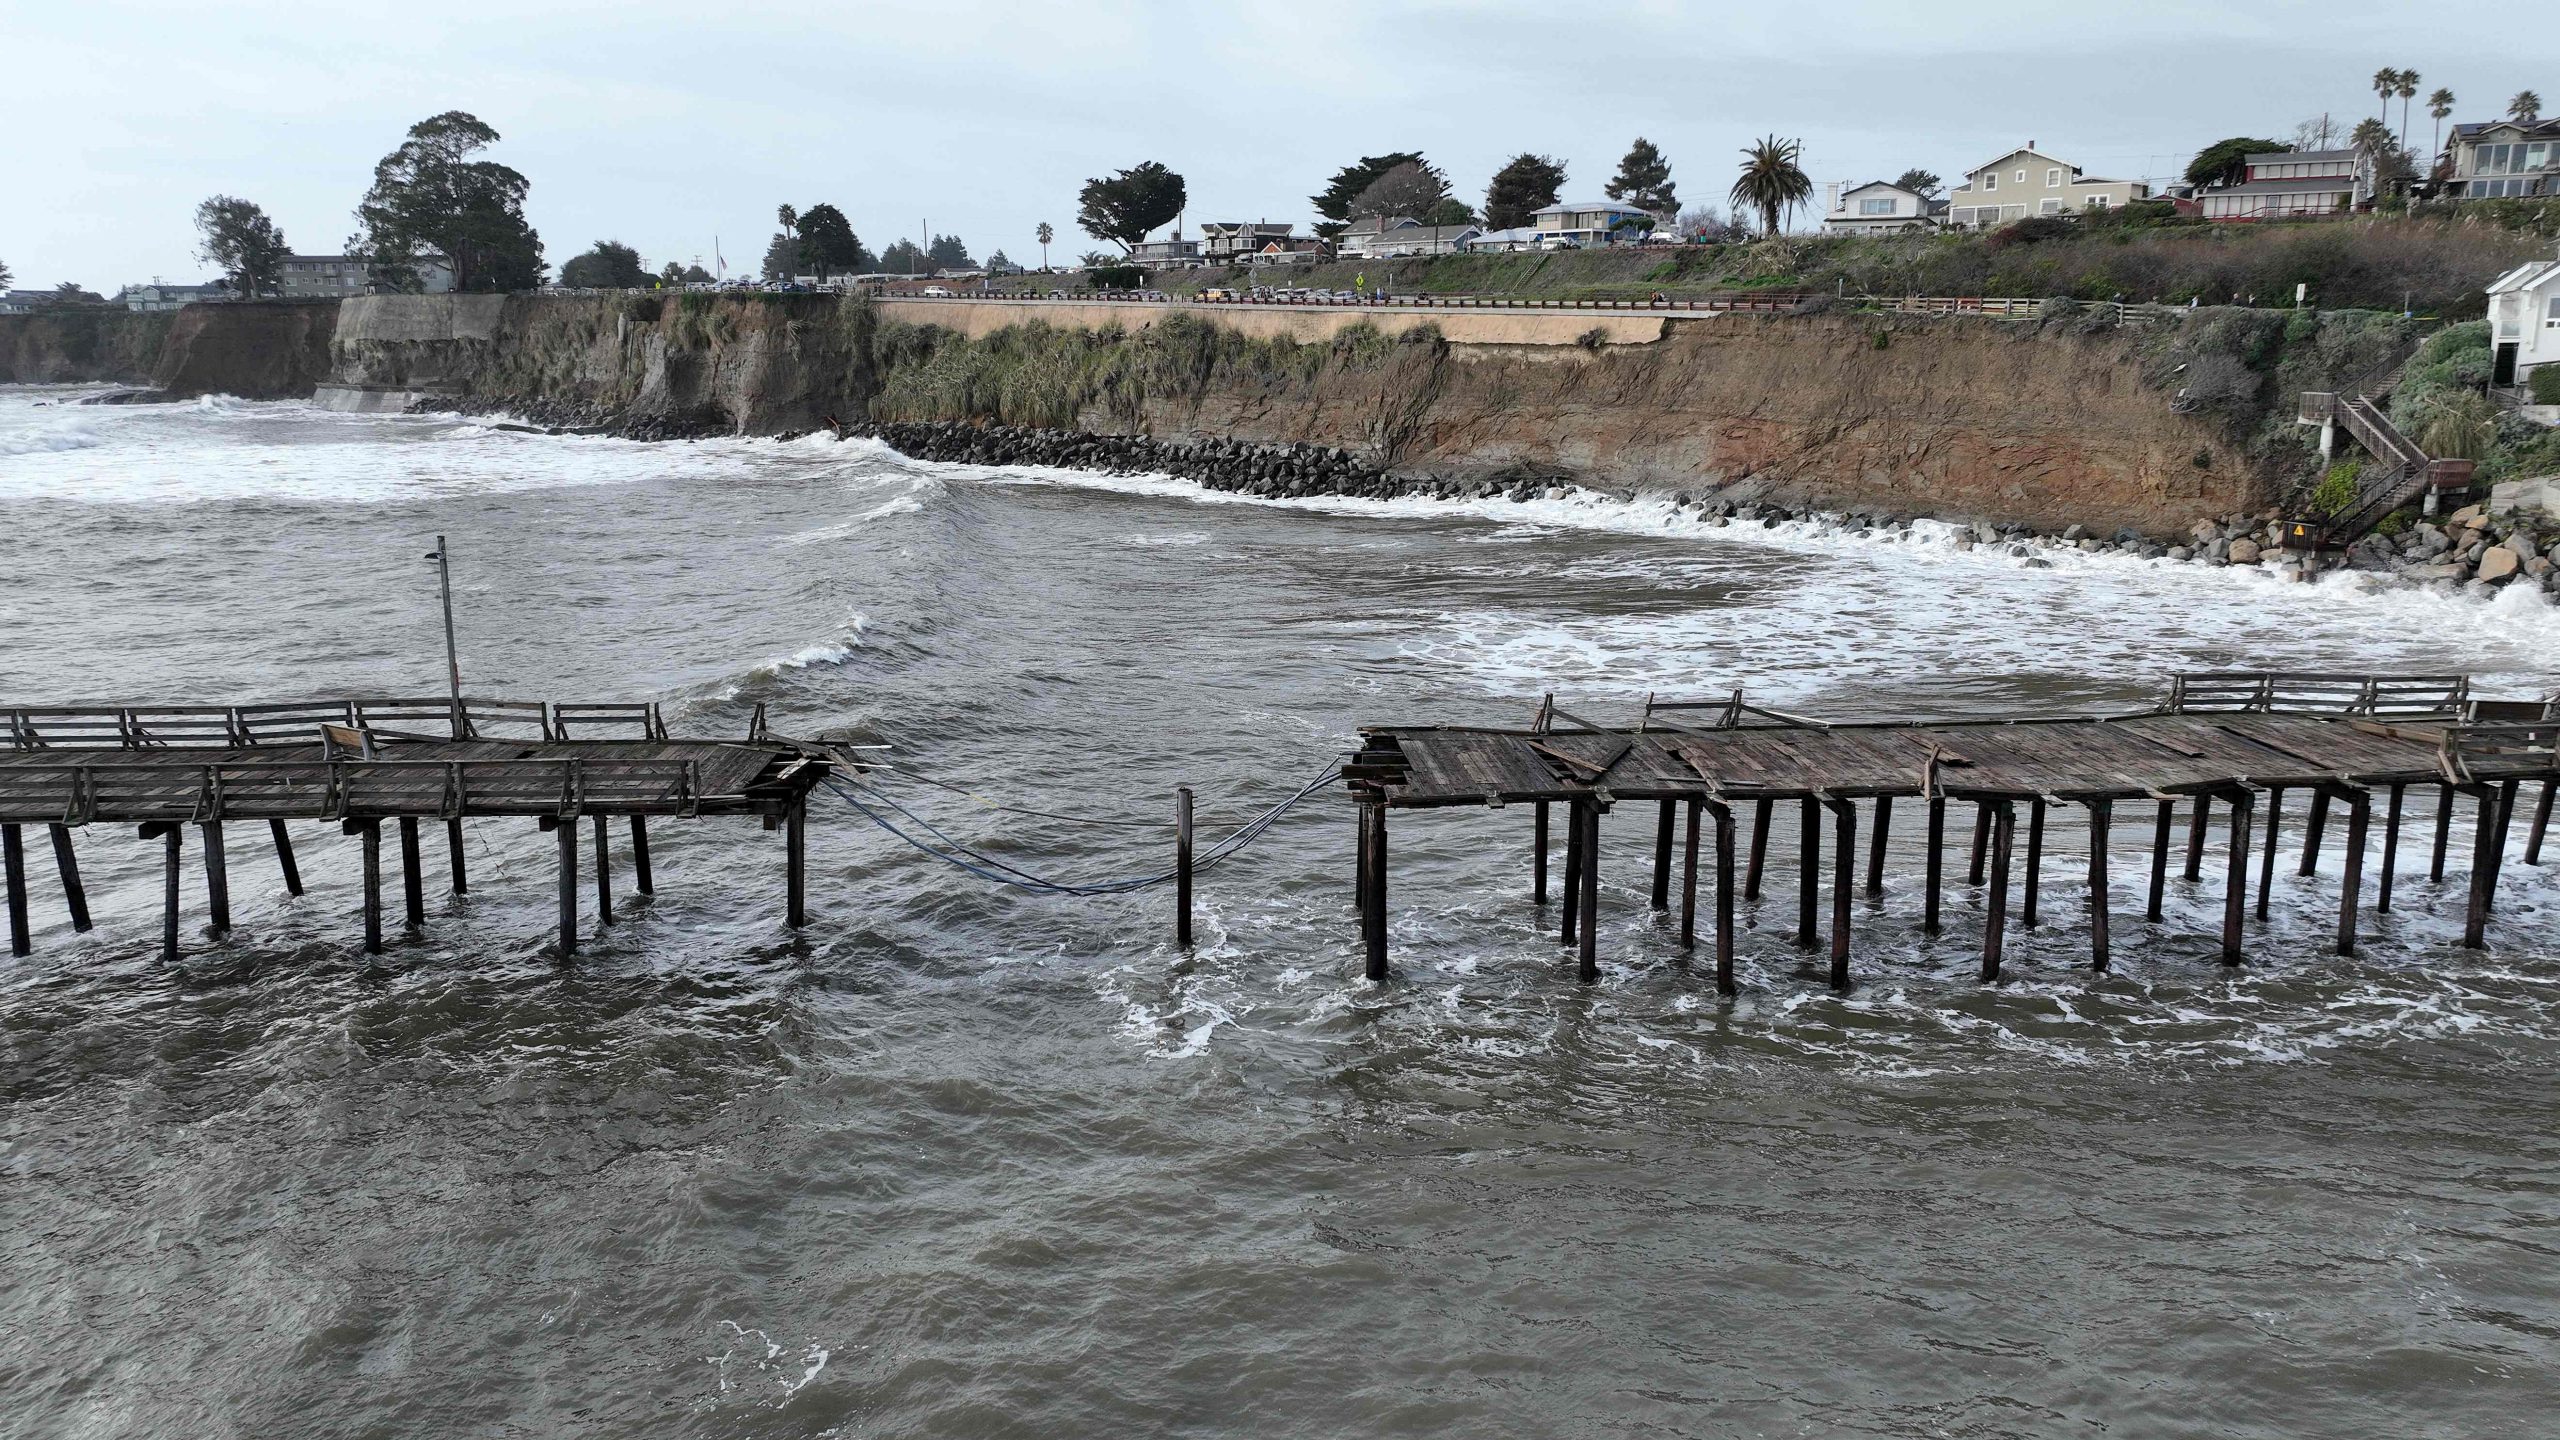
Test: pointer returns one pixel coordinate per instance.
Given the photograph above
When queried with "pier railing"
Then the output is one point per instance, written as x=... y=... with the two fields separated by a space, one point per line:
x=225 y=727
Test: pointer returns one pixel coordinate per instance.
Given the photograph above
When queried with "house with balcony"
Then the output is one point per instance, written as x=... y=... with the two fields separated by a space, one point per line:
x=1578 y=226
x=1289 y=250
x=2028 y=182
x=1225 y=242
x=2524 y=322
x=2295 y=184
x=1880 y=207
x=1170 y=253
x=2505 y=159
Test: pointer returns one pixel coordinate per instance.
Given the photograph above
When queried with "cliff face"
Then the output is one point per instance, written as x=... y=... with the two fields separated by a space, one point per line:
x=266 y=350
x=66 y=346
x=1961 y=417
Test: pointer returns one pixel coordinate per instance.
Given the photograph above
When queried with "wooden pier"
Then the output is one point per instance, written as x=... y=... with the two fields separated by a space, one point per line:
x=2242 y=742
x=361 y=763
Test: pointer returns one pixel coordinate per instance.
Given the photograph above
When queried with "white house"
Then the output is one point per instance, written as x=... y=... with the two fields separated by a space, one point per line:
x=2027 y=181
x=1173 y=251
x=1224 y=241
x=1604 y=222
x=2289 y=184
x=1380 y=237
x=1522 y=237
x=2524 y=321
x=160 y=296
x=2505 y=159
x=1880 y=206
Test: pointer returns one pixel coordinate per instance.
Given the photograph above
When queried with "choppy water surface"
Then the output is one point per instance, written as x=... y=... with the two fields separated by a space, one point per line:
x=961 y=1162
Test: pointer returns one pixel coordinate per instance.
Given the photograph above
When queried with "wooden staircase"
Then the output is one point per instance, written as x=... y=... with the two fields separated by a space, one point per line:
x=2398 y=472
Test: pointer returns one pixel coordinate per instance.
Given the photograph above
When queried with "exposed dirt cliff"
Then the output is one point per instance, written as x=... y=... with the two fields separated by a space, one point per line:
x=64 y=346
x=268 y=350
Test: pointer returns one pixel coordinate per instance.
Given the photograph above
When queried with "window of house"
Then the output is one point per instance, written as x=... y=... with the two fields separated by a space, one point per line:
x=2048 y=207
x=1875 y=207
x=2022 y=174
x=2551 y=313
x=1990 y=179
x=2053 y=178
x=2095 y=202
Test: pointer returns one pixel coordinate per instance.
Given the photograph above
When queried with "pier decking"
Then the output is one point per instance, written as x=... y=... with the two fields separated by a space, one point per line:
x=2243 y=740
x=361 y=762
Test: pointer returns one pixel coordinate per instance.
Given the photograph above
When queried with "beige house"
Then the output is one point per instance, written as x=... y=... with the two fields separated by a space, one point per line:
x=2026 y=182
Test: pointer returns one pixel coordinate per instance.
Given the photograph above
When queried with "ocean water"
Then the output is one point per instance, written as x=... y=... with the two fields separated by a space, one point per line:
x=965 y=1161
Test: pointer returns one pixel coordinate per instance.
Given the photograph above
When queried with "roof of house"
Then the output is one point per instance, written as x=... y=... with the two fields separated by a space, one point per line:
x=2530 y=276
x=2302 y=185
x=2299 y=157
x=1999 y=160
x=1880 y=185
x=1247 y=227
x=2472 y=129
x=1620 y=207
x=1511 y=236
x=1380 y=224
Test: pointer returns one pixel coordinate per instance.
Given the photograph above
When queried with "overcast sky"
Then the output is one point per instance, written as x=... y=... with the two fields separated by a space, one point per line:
x=666 y=126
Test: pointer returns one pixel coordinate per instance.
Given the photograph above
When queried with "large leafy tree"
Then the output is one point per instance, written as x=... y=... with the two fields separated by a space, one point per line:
x=827 y=243
x=1349 y=183
x=781 y=258
x=1644 y=181
x=694 y=274
x=1125 y=206
x=1772 y=181
x=1920 y=182
x=1527 y=185
x=905 y=258
x=429 y=197
x=947 y=253
x=5 y=275
x=611 y=265
x=1413 y=188
x=2226 y=162
x=239 y=239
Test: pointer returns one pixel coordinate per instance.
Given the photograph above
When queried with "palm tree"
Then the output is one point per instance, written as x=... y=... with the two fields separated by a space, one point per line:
x=2386 y=83
x=2525 y=108
x=2440 y=104
x=2408 y=87
x=1772 y=183
x=1044 y=234
x=789 y=217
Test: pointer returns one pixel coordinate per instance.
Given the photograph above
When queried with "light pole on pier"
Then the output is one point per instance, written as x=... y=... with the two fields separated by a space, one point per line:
x=443 y=556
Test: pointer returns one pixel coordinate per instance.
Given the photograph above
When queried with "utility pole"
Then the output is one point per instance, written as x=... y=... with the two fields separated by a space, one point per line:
x=443 y=556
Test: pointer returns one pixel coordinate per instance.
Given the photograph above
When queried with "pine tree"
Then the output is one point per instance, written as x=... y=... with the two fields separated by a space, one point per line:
x=1644 y=181
x=1520 y=189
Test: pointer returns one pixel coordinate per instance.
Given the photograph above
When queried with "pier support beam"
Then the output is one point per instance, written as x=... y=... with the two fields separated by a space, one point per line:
x=13 y=859
x=604 y=871
x=1181 y=863
x=67 y=865
x=370 y=831
x=284 y=857
x=2267 y=856
x=2444 y=831
x=1662 y=855
x=2197 y=824
x=2311 y=831
x=2485 y=850
x=1373 y=917
x=1724 y=897
x=2101 y=817
x=217 y=879
x=1995 y=919
x=1689 y=883
x=1591 y=892
x=1808 y=870
x=167 y=833
x=1538 y=859
x=795 y=838
x=2160 y=826
x=1935 y=863
x=640 y=879
x=1759 y=849
x=1982 y=821
x=1844 y=863
x=2390 y=851
x=2034 y=877
x=1875 y=847
x=2235 y=883
x=2541 y=823
x=453 y=856
x=2359 y=819
x=1572 y=906
x=413 y=881
x=565 y=828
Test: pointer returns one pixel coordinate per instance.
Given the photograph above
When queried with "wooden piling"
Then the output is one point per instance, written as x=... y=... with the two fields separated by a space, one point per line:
x=2484 y=871
x=2235 y=882
x=2390 y=852
x=2359 y=818
x=2160 y=827
x=2101 y=817
x=2197 y=823
x=1808 y=869
x=1689 y=883
x=2034 y=877
x=1662 y=855
x=1844 y=863
x=168 y=833
x=796 y=862
x=640 y=878
x=1373 y=921
x=2313 y=825
x=1538 y=861
x=1759 y=849
x=2444 y=831
x=566 y=829
x=2267 y=855
x=1724 y=897
x=1982 y=821
x=453 y=853
x=67 y=865
x=1995 y=919
x=1572 y=906
x=2541 y=823
x=1875 y=847
x=413 y=879
x=1591 y=890
x=1935 y=863
x=217 y=879
x=371 y=833
x=1182 y=866
x=1359 y=859
x=13 y=859
x=604 y=875
x=284 y=857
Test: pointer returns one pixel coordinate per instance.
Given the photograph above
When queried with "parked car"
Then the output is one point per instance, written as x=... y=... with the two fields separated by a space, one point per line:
x=936 y=292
